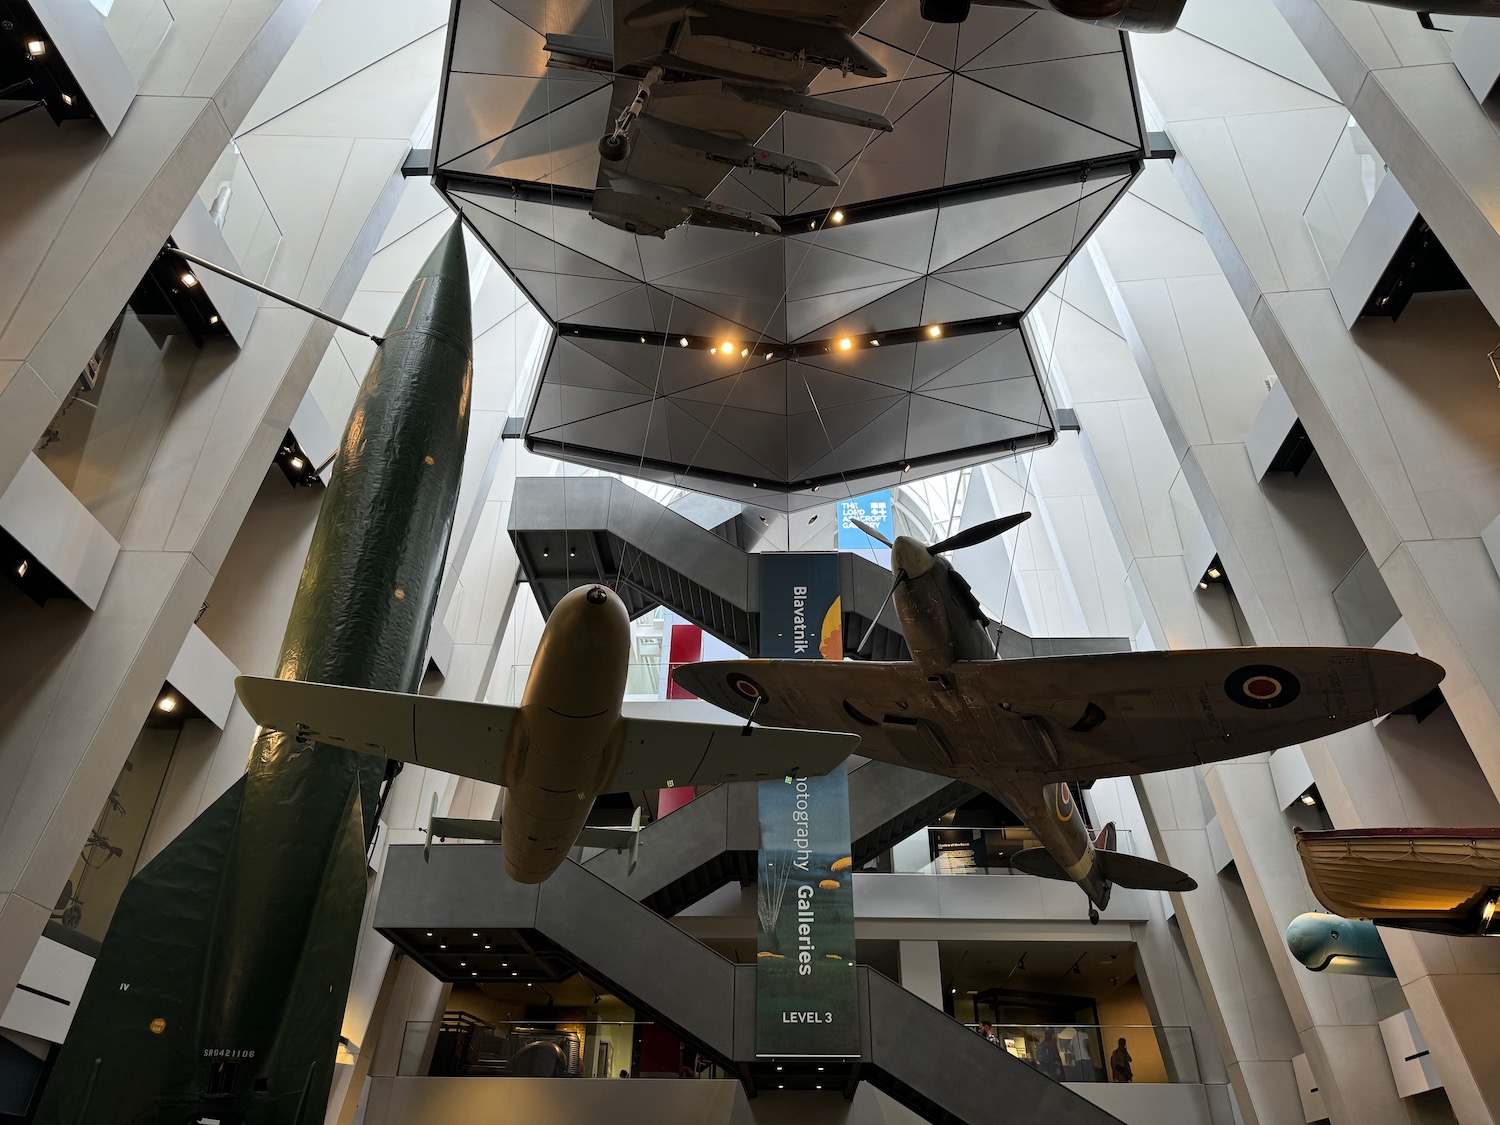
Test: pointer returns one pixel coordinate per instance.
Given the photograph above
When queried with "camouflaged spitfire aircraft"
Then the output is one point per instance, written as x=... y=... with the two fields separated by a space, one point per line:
x=1021 y=730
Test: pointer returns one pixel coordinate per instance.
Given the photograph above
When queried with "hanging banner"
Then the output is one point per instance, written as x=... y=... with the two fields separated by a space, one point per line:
x=873 y=509
x=806 y=995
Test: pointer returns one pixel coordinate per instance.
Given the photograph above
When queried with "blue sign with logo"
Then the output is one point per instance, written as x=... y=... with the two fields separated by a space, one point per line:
x=874 y=509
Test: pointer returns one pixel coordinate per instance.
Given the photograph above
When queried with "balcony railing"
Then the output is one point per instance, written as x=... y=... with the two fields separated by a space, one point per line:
x=240 y=212
x=1079 y=1052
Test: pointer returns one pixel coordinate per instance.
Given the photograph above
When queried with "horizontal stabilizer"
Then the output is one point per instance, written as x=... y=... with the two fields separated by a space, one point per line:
x=1139 y=874
x=454 y=828
x=1119 y=868
x=808 y=106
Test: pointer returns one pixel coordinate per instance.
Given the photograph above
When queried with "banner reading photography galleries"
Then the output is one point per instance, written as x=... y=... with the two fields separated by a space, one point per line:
x=806 y=998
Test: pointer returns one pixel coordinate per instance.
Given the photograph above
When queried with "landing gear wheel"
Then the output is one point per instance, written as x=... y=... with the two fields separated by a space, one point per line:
x=1093 y=916
x=945 y=11
x=613 y=148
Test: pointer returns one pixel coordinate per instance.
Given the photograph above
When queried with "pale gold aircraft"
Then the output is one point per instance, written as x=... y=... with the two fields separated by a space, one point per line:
x=565 y=744
x=1022 y=729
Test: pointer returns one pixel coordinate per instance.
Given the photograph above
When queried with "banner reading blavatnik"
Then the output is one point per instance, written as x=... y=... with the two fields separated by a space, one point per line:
x=806 y=995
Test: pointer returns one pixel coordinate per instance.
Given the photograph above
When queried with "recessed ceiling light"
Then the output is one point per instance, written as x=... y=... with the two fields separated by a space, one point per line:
x=837 y=216
x=682 y=343
x=166 y=704
x=1309 y=800
x=935 y=330
x=643 y=339
x=296 y=462
x=429 y=933
x=23 y=568
x=472 y=973
x=1203 y=585
x=845 y=344
x=744 y=352
x=1215 y=572
x=67 y=99
x=874 y=343
x=514 y=973
x=188 y=281
x=727 y=347
x=36 y=48
x=214 y=319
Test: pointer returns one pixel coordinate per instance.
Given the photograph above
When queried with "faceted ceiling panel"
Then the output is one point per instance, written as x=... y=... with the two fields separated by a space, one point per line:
x=863 y=330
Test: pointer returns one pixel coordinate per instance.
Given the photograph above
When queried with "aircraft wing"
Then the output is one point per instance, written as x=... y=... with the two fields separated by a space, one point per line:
x=444 y=734
x=662 y=753
x=1074 y=718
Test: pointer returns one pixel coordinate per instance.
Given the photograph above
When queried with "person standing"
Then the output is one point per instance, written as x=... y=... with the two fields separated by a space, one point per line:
x=1048 y=1057
x=1119 y=1065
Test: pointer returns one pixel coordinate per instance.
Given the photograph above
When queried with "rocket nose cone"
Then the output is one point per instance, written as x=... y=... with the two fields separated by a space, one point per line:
x=449 y=257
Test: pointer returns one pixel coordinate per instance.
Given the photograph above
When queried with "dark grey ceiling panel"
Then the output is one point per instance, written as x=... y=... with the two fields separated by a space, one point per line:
x=877 y=335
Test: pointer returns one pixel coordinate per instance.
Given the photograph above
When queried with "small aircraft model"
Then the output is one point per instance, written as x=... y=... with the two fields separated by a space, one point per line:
x=564 y=745
x=1021 y=730
x=1326 y=943
x=1439 y=880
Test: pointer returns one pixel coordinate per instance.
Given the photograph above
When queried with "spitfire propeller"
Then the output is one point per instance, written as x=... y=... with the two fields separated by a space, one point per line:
x=972 y=537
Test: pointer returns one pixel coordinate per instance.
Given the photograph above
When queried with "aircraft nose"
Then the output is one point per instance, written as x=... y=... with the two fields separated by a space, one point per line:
x=911 y=556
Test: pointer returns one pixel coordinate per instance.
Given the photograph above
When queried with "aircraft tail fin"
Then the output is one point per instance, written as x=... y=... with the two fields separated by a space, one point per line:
x=1105 y=841
x=1119 y=868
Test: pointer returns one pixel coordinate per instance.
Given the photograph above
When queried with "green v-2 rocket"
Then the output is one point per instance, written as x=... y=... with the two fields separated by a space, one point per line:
x=219 y=992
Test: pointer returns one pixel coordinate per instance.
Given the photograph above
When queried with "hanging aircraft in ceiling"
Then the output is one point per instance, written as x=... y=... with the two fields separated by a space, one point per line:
x=694 y=86
x=1153 y=16
x=1021 y=730
x=564 y=745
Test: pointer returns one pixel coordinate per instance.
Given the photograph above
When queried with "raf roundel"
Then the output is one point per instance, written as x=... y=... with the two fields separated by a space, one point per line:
x=748 y=688
x=1262 y=687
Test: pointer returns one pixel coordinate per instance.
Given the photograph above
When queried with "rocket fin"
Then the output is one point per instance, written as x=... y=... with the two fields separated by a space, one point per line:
x=142 y=1022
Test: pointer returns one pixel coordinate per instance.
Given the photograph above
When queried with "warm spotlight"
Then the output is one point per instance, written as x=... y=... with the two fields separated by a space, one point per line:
x=67 y=99
x=23 y=568
x=188 y=281
x=1309 y=800
x=166 y=704
x=744 y=352
x=1203 y=585
x=682 y=343
x=935 y=331
x=1215 y=572
x=845 y=344
x=837 y=216
x=36 y=48
x=727 y=347
x=214 y=319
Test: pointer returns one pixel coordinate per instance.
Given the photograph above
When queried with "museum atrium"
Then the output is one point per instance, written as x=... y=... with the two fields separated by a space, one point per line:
x=430 y=428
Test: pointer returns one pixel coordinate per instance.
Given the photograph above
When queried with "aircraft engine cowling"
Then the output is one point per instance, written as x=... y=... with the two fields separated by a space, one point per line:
x=1150 y=16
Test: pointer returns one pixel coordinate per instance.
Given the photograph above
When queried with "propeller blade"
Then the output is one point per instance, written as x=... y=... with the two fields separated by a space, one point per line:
x=983 y=533
x=874 y=621
x=871 y=532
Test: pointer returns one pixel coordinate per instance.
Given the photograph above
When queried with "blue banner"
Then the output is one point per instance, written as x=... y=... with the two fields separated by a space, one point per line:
x=807 y=1002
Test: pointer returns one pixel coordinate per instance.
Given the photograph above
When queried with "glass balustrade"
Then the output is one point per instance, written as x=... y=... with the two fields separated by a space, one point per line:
x=136 y=28
x=240 y=212
x=1364 y=603
x=470 y=1046
x=1343 y=194
x=1081 y=1052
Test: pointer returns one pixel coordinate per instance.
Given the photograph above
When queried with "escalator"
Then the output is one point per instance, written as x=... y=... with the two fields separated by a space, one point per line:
x=464 y=921
x=713 y=840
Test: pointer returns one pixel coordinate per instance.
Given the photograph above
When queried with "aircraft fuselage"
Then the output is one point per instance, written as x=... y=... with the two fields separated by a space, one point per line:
x=941 y=625
x=564 y=749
